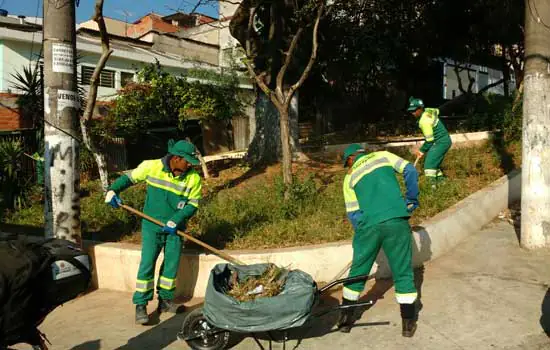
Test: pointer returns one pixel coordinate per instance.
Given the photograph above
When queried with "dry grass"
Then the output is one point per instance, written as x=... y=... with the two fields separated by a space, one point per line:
x=268 y=284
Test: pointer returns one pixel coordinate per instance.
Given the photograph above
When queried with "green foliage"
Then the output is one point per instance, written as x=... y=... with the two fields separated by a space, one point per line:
x=301 y=194
x=254 y=215
x=12 y=180
x=160 y=97
x=30 y=102
x=513 y=122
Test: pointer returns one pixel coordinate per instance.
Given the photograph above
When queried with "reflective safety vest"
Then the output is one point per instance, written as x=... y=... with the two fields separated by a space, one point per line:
x=372 y=180
x=433 y=129
x=167 y=194
x=352 y=205
x=428 y=121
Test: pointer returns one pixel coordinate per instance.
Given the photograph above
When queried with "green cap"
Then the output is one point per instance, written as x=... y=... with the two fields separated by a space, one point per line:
x=350 y=150
x=184 y=149
x=414 y=104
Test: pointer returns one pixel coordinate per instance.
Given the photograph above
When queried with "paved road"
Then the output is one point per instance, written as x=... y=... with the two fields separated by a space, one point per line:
x=487 y=294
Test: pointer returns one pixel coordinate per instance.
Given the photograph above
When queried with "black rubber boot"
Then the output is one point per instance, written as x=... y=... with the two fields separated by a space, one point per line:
x=408 y=320
x=169 y=306
x=141 y=314
x=346 y=317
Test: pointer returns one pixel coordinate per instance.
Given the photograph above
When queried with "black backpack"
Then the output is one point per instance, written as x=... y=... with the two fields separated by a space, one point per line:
x=35 y=278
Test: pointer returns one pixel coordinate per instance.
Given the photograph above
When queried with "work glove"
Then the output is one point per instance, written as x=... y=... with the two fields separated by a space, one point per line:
x=411 y=205
x=113 y=199
x=170 y=228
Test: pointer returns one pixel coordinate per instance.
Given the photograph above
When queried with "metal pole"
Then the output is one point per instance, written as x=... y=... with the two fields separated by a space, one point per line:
x=535 y=189
x=61 y=104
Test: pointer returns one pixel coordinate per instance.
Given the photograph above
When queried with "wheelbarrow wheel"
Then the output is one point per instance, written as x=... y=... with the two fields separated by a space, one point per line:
x=200 y=335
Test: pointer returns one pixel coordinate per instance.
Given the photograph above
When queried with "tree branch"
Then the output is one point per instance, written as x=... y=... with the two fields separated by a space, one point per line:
x=492 y=85
x=460 y=86
x=106 y=51
x=312 y=58
x=288 y=60
x=248 y=47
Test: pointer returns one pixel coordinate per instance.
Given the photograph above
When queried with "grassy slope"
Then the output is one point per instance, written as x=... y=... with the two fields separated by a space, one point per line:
x=252 y=213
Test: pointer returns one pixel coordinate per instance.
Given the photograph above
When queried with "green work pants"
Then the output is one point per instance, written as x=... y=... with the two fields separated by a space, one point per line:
x=395 y=237
x=435 y=157
x=153 y=240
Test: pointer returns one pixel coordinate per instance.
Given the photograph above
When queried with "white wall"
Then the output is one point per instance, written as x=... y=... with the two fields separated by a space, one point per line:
x=226 y=42
x=483 y=76
x=15 y=55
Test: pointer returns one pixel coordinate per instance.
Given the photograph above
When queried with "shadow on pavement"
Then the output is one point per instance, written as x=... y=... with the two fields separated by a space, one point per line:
x=545 y=316
x=159 y=336
x=317 y=326
x=89 y=345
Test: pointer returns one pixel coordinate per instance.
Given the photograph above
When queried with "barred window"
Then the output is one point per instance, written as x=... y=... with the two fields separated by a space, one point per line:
x=106 y=78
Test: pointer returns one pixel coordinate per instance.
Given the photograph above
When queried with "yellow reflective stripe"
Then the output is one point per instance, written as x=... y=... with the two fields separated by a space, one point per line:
x=350 y=294
x=193 y=202
x=397 y=162
x=430 y=172
x=144 y=286
x=352 y=206
x=366 y=168
x=350 y=199
x=406 y=298
x=175 y=187
x=429 y=138
x=144 y=168
x=167 y=283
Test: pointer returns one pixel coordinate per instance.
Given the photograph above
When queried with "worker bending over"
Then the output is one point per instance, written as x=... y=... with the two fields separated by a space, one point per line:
x=380 y=214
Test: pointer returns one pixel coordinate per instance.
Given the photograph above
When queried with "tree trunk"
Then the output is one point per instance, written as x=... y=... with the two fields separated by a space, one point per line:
x=98 y=156
x=535 y=189
x=505 y=73
x=265 y=147
x=286 y=147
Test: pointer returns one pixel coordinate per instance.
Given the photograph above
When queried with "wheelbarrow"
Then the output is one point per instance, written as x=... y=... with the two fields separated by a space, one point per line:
x=212 y=326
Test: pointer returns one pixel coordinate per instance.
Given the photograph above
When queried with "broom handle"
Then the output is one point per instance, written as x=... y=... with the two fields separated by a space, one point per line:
x=341 y=273
x=217 y=252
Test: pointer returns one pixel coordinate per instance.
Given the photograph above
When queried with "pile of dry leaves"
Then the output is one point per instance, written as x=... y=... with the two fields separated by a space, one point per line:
x=268 y=284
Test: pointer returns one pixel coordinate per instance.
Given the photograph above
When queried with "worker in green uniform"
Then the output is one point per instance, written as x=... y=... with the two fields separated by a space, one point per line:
x=437 y=140
x=173 y=194
x=380 y=214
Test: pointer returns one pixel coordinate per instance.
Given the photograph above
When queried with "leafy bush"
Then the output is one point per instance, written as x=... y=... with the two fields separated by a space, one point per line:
x=160 y=97
x=12 y=180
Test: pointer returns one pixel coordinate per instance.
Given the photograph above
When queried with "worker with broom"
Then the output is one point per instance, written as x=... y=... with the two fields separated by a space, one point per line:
x=173 y=194
x=380 y=214
x=437 y=140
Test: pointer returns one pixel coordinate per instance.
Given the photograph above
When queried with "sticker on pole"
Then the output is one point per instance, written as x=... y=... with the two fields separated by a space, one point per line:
x=62 y=58
x=67 y=98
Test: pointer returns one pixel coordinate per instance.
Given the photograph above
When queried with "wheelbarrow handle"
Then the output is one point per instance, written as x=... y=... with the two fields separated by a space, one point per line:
x=217 y=252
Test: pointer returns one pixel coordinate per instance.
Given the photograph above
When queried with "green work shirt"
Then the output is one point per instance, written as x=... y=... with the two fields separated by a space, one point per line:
x=169 y=197
x=373 y=180
x=432 y=129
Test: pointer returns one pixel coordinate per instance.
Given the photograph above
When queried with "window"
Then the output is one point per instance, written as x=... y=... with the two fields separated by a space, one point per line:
x=126 y=78
x=106 y=78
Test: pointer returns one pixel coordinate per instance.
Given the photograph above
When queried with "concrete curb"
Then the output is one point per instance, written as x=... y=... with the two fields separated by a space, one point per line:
x=458 y=139
x=116 y=264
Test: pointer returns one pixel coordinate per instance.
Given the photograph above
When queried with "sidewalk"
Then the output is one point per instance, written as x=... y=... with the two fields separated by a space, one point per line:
x=487 y=294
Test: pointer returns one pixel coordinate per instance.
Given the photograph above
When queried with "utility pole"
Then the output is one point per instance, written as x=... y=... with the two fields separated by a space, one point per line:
x=61 y=104
x=535 y=183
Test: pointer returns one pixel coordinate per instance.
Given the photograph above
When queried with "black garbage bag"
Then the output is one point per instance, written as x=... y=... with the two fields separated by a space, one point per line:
x=290 y=308
x=35 y=278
